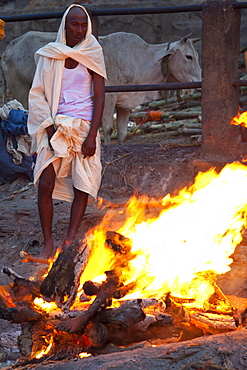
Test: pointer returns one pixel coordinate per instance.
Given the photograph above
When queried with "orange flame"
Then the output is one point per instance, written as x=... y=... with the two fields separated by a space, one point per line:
x=6 y=297
x=45 y=349
x=51 y=261
x=190 y=241
x=240 y=119
x=84 y=354
x=40 y=304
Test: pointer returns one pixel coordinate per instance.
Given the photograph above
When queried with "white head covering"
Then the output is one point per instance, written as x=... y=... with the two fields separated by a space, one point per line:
x=88 y=52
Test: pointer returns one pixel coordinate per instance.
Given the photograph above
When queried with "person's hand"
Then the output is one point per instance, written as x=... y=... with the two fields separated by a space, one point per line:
x=50 y=132
x=89 y=147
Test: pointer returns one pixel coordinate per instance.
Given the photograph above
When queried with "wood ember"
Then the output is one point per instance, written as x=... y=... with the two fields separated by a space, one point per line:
x=37 y=337
x=63 y=279
x=91 y=288
x=100 y=334
x=102 y=299
x=128 y=323
x=208 y=321
x=125 y=316
x=213 y=323
x=19 y=314
x=118 y=243
x=144 y=324
x=22 y=289
x=5 y=297
x=26 y=257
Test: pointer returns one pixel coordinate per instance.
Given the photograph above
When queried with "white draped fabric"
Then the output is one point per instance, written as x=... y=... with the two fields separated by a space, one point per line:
x=70 y=166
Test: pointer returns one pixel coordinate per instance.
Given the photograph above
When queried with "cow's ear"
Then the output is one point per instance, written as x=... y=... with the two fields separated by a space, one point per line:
x=166 y=52
x=165 y=55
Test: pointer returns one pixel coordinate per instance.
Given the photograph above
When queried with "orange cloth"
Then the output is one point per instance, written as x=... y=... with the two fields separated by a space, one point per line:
x=155 y=115
x=2 y=31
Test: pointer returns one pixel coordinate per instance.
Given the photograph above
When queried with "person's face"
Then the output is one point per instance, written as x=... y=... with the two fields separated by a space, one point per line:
x=75 y=26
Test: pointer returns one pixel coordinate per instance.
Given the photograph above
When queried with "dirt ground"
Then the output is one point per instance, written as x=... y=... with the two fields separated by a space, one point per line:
x=153 y=167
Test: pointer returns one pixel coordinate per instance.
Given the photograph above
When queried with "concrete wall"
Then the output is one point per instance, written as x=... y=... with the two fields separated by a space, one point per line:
x=152 y=28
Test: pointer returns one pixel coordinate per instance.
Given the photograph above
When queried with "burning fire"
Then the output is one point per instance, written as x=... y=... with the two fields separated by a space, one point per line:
x=176 y=246
x=84 y=354
x=40 y=303
x=183 y=249
x=45 y=349
x=240 y=119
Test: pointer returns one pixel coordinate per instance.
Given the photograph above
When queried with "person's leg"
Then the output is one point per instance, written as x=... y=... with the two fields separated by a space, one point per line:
x=45 y=207
x=78 y=208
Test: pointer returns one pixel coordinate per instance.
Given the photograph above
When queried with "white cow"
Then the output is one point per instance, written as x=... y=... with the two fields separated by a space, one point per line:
x=129 y=61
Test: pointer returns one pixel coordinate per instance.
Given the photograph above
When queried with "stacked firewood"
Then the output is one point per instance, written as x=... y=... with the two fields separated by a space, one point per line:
x=173 y=116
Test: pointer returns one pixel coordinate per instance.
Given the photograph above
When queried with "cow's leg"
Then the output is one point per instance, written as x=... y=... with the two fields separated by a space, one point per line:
x=122 y=124
x=107 y=118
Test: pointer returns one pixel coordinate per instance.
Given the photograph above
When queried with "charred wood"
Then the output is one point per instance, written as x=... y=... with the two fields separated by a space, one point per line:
x=11 y=273
x=25 y=290
x=36 y=337
x=22 y=289
x=118 y=243
x=101 y=334
x=213 y=323
x=19 y=314
x=26 y=257
x=91 y=288
x=123 y=290
x=102 y=300
x=62 y=281
x=125 y=316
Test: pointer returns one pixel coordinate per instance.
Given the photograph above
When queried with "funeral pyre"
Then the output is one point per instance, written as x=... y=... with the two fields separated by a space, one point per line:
x=153 y=278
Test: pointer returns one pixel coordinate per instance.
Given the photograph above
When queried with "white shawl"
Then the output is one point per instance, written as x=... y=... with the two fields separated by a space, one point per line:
x=43 y=106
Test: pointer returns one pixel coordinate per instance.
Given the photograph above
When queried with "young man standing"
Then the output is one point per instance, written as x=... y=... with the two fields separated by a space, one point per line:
x=66 y=103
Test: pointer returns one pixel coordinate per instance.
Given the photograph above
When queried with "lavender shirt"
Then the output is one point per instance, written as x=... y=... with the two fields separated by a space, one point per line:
x=76 y=93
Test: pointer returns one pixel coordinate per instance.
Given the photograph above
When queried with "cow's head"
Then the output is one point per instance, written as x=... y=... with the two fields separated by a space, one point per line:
x=180 y=61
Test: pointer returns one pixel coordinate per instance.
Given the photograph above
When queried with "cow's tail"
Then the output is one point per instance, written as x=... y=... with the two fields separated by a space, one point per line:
x=4 y=84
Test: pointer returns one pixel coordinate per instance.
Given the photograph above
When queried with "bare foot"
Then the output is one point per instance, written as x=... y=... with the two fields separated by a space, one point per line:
x=65 y=245
x=47 y=252
x=74 y=325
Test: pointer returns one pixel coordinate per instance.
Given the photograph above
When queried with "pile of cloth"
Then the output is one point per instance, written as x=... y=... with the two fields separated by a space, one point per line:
x=15 y=143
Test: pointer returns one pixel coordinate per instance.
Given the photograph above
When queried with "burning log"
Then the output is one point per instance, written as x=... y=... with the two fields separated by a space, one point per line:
x=125 y=316
x=115 y=330
x=5 y=297
x=63 y=279
x=213 y=323
x=19 y=314
x=26 y=257
x=91 y=288
x=129 y=323
x=78 y=324
x=40 y=339
x=118 y=243
x=11 y=273
x=22 y=288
